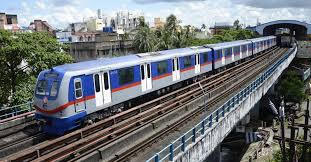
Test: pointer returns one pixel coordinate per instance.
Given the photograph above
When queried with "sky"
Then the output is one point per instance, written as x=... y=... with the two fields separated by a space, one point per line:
x=59 y=13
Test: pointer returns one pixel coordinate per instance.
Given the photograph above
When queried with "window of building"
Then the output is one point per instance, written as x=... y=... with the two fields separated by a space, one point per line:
x=162 y=67
x=78 y=88
x=9 y=21
x=126 y=75
x=187 y=61
x=97 y=84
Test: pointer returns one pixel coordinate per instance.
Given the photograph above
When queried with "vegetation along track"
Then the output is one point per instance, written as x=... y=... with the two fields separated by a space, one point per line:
x=112 y=128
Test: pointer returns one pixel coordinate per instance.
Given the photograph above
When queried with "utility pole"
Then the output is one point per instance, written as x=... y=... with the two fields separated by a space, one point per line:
x=292 y=138
x=281 y=115
x=305 y=132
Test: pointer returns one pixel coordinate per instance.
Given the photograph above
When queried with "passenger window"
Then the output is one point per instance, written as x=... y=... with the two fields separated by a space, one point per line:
x=106 y=81
x=97 y=84
x=126 y=75
x=41 y=87
x=142 y=70
x=177 y=63
x=205 y=57
x=54 y=88
x=78 y=89
x=148 y=70
x=219 y=54
x=187 y=61
x=162 y=67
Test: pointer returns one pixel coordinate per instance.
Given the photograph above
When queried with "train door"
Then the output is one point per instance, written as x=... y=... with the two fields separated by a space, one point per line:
x=98 y=89
x=79 y=101
x=197 y=67
x=176 y=69
x=146 y=80
x=106 y=87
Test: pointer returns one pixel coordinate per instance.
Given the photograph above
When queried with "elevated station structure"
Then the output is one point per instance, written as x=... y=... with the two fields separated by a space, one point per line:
x=301 y=30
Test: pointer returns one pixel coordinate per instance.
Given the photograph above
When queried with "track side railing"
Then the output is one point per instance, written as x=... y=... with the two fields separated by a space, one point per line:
x=15 y=111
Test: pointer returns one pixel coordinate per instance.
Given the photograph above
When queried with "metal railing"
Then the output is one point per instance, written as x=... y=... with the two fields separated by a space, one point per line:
x=7 y=112
x=180 y=144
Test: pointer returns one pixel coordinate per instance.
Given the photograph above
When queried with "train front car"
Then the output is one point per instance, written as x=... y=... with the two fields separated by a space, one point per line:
x=51 y=102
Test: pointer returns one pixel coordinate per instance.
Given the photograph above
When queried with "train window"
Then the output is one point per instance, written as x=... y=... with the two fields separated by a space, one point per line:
x=41 y=86
x=54 y=88
x=148 y=70
x=219 y=53
x=187 y=61
x=173 y=64
x=205 y=57
x=142 y=70
x=228 y=51
x=162 y=67
x=78 y=88
x=106 y=81
x=237 y=49
x=126 y=75
x=177 y=63
x=96 y=80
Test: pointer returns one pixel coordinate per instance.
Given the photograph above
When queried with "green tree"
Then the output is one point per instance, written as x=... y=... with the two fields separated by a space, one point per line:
x=22 y=57
x=203 y=26
x=237 y=24
x=291 y=87
x=144 y=40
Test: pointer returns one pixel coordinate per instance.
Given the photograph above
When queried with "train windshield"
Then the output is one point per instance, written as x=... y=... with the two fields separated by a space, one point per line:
x=41 y=87
x=54 y=88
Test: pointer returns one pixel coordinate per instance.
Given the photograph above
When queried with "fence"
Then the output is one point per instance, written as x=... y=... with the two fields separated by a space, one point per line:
x=7 y=112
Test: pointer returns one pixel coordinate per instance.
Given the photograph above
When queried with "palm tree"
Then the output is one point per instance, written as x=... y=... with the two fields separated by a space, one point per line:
x=144 y=40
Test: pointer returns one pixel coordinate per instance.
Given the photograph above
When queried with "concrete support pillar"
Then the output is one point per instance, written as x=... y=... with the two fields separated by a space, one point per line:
x=215 y=155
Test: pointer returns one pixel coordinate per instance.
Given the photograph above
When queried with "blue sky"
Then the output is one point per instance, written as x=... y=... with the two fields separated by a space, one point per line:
x=195 y=12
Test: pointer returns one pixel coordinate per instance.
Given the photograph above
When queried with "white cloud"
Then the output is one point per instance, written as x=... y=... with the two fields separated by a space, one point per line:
x=57 y=15
x=209 y=12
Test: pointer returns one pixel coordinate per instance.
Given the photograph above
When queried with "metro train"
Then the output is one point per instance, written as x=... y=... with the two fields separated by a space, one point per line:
x=71 y=95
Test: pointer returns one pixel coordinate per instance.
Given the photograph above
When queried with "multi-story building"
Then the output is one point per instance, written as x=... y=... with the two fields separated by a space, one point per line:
x=104 y=45
x=219 y=27
x=95 y=24
x=41 y=26
x=127 y=20
x=77 y=27
x=158 y=23
x=9 y=22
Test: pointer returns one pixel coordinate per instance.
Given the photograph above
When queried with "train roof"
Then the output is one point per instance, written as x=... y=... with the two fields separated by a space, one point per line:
x=100 y=63
x=227 y=44
x=129 y=60
x=261 y=38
